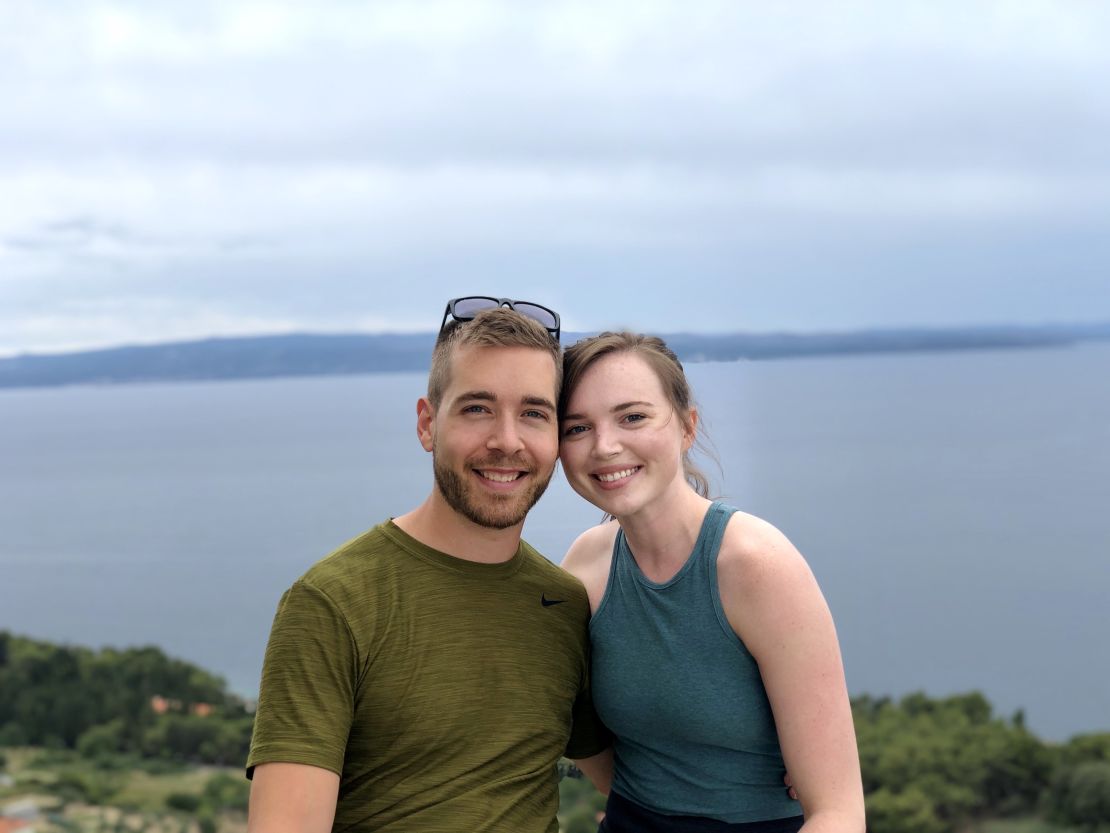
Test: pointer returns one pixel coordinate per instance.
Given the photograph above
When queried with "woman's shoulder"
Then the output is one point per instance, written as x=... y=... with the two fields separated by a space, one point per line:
x=589 y=557
x=765 y=585
x=753 y=548
x=593 y=546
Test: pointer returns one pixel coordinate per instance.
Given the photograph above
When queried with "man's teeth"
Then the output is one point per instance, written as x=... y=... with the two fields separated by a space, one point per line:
x=500 y=477
x=617 y=475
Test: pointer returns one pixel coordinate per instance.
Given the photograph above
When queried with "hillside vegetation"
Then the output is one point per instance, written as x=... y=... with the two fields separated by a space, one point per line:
x=110 y=725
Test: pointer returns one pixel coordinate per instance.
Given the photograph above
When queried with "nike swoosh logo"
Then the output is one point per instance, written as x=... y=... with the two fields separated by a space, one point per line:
x=549 y=602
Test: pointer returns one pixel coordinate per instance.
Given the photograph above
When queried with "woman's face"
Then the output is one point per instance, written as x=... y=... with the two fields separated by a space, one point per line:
x=621 y=441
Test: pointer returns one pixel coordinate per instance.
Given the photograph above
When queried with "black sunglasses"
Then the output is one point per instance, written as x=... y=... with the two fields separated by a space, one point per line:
x=464 y=309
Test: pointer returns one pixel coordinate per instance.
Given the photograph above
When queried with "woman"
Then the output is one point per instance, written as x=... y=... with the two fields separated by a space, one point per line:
x=715 y=659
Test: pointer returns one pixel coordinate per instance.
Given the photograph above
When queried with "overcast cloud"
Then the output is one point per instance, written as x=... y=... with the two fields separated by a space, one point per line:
x=179 y=170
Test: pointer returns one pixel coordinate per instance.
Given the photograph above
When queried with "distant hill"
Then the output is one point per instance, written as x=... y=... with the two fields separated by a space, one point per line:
x=318 y=355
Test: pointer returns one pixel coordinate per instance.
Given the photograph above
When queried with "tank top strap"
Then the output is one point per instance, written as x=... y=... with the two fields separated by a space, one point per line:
x=713 y=531
x=702 y=560
x=622 y=555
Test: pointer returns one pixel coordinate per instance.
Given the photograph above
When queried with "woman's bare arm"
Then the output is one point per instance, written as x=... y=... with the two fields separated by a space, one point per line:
x=773 y=602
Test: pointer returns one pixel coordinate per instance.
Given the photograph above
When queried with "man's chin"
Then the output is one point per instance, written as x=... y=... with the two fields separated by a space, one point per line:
x=502 y=514
x=489 y=510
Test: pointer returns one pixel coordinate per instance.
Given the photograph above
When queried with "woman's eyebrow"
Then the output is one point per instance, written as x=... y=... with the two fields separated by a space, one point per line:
x=615 y=409
x=626 y=405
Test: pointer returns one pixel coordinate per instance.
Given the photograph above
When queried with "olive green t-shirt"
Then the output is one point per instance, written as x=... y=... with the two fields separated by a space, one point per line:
x=442 y=691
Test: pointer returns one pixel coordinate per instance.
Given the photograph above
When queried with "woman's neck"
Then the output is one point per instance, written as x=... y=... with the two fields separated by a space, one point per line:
x=662 y=538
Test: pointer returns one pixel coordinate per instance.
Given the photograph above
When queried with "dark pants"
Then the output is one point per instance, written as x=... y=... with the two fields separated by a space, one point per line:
x=624 y=816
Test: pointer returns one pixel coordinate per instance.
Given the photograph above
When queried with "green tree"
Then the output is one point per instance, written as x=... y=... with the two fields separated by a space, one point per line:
x=957 y=757
x=55 y=695
x=1090 y=747
x=909 y=811
x=103 y=740
x=185 y=802
x=226 y=792
x=1080 y=796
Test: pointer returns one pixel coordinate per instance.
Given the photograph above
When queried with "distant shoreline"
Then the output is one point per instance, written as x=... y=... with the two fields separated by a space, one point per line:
x=269 y=357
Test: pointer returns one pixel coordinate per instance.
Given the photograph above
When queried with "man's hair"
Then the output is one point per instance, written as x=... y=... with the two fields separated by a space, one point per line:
x=501 y=327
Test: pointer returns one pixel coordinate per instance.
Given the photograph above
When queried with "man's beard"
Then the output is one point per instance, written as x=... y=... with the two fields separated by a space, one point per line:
x=489 y=510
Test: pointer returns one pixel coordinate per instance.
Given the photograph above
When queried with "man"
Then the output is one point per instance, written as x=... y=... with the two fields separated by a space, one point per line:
x=428 y=675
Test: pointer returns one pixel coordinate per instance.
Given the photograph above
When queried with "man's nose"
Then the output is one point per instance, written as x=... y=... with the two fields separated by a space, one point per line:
x=505 y=436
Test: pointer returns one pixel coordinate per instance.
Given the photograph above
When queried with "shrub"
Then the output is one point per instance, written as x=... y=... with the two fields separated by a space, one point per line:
x=227 y=792
x=12 y=734
x=910 y=811
x=102 y=740
x=1080 y=796
x=185 y=802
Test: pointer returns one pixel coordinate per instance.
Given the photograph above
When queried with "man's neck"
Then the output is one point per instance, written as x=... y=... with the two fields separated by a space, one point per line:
x=435 y=524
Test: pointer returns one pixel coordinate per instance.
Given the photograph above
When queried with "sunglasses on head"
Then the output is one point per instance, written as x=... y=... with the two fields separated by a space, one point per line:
x=464 y=309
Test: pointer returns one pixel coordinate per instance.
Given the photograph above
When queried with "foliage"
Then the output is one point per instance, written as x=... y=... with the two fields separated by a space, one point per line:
x=908 y=811
x=103 y=740
x=100 y=703
x=86 y=786
x=579 y=804
x=1082 y=748
x=1080 y=796
x=929 y=765
x=190 y=737
x=185 y=802
x=227 y=792
x=934 y=764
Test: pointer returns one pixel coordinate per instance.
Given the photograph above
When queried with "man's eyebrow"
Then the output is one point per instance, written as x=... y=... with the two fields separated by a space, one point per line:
x=477 y=395
x=538 y=402
x=489 y=396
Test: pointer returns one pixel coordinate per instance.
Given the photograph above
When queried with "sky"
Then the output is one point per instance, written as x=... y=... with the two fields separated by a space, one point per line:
x=180 y=170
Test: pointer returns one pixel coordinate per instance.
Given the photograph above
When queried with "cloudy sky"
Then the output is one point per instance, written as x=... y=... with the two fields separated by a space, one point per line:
x=183 y=169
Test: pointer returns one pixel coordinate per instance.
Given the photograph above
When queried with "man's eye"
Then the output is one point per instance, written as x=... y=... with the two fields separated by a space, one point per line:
x=536 y=414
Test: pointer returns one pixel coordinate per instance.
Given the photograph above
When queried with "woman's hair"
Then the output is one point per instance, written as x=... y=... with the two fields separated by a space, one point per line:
x=581 y=356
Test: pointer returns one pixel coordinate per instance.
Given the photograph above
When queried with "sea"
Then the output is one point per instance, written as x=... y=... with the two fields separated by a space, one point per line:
x=954 y=506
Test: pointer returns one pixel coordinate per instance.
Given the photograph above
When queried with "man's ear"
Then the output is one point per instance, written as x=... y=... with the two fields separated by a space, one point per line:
x=425 y=422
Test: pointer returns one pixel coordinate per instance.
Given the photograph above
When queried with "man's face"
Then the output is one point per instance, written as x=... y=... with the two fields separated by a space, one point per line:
x=494 y=437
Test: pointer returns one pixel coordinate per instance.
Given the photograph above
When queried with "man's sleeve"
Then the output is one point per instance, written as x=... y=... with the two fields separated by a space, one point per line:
x=306 y=699
x=588 y=735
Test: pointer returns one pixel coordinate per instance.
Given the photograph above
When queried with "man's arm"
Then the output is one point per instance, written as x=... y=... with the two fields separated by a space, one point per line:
x=304 y=716
x=292 y=798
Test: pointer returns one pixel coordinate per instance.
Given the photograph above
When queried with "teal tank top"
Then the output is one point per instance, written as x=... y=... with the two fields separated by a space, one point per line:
x=694 y=731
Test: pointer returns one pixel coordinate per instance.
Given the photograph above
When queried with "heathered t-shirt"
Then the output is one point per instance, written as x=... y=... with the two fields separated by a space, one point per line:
x=442 y=691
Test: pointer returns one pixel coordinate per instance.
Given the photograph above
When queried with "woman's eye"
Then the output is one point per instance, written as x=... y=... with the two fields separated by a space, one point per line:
x=574 y=429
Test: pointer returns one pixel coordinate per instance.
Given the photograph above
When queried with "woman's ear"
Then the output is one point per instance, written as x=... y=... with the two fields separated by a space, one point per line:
x=690 y=429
